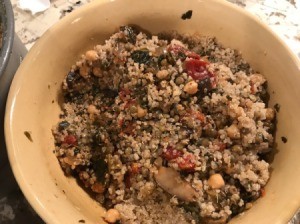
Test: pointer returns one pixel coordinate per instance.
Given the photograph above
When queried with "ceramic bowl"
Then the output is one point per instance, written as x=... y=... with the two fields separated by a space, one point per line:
x=11 y=53
x=33 y=99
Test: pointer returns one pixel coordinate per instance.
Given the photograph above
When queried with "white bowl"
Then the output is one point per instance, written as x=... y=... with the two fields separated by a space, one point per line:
x=59 y=199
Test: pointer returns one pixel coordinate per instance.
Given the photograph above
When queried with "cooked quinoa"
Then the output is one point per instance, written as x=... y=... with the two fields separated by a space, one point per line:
x=166 y=129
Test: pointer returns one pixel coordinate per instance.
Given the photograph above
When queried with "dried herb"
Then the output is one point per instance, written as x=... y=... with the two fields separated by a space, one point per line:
x=284 y=139
x=277 y=107
x=101 y=168
x=28 y=135
x=187 y=15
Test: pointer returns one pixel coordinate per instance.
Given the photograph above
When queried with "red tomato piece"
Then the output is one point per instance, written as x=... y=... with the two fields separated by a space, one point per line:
x=177 y=49
x=123 y=93
x=196 y=115
x=263 y=192
x=129 y=103
x=193 y=55
x=187 y=163
x=70 y=140
x=171 y=153
x=197 y=69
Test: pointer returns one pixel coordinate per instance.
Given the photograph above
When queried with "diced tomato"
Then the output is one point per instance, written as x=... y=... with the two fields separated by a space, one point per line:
x=129 y=128
x=262 y=192
x=171 y=153
x=197 y=69
x=177 y=49
x=193 y=55
x=121 y=122
x=252 y=88
x=124 y=93
x=187 y=163
x=70 y=140
x=196 y=115
x=129 y=103
x=135 y=168
x=222 y=146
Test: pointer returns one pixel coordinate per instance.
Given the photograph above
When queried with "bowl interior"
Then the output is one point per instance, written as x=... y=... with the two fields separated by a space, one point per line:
x=33 y=99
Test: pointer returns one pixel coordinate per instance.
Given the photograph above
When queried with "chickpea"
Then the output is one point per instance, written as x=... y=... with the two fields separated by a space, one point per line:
x=84 y=71
x=92 y=109
x=248 y=206
x=233 y=132
x=141 y=112
x=270 y=114
x=97 y=72
x=112 y=215
x=162 y=74
x=216 y=181
x=91 y=55
x=191 y=87
x=180 y=109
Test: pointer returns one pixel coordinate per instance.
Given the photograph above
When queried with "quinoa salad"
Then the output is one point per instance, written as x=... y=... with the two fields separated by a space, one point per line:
x=172 y=128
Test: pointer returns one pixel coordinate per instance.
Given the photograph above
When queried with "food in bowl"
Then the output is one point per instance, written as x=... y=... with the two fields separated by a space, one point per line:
x=166 y=129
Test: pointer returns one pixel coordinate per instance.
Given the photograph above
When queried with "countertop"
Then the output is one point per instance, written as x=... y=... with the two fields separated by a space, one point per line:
x=283 y=17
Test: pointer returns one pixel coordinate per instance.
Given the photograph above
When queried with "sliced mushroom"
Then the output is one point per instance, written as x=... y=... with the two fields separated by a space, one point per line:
x=170 y=180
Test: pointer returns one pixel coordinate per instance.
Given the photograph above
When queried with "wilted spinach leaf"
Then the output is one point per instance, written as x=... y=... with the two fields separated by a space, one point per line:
x=141 y=56
x=101 y=168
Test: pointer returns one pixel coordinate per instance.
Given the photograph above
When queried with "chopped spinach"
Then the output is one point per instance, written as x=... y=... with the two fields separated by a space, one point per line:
x=101 y=168
x=204 y=86
x=141 y=56
x=63 y=125
x=130 y=33
x=72 y=78
x=110 y=93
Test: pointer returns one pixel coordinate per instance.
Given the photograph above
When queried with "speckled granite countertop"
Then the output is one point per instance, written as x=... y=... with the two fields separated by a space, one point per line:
x=283 y=16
